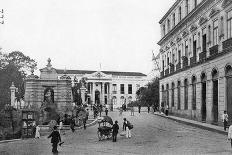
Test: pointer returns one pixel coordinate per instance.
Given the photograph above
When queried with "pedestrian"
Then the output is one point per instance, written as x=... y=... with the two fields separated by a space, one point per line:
x=87 y=114
x=72 y=125
x=126 y=128
x=100 y=109
x=230 y=134
x=166 y=110
x=61 y=127
x=148 y=108
x=132 y=110
x=115 y=131
x=120 y=111
x=37 y=133
x=84 y=122
x=139 y=107
x=225 y=119
x=106 y=111
x=55 y=135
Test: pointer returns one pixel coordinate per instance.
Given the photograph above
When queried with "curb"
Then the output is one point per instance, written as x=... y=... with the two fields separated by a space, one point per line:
x=11 y=140
x=193 y=124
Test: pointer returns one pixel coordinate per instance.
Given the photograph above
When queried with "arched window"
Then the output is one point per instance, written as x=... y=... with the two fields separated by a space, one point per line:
x=122 y=100
x=203 y=96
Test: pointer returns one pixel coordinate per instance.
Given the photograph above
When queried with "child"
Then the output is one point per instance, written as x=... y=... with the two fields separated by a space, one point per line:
x=115 y=131
x=55 y=135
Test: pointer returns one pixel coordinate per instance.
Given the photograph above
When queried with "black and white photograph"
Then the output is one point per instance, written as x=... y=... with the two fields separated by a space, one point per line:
x=115 y=77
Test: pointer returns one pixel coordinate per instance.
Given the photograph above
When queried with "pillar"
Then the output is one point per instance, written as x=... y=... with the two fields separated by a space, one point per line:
x=12 y=90
x=93 y=93
x=103 y=93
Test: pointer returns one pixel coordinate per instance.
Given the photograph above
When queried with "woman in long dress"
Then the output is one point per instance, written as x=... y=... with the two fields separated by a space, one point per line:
x=37 y=134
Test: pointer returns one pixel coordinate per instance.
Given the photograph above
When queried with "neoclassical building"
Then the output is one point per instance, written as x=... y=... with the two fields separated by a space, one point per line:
x=196 y=59
x=108 y=87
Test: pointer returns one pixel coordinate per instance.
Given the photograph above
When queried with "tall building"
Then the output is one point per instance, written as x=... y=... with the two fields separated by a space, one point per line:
x=196 y=59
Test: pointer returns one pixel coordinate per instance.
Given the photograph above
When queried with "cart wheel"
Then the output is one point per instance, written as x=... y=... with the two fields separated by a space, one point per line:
x=99 y=135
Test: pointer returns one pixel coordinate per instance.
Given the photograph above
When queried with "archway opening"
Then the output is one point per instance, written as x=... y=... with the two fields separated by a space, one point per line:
x=215 y=95
x=203 y=97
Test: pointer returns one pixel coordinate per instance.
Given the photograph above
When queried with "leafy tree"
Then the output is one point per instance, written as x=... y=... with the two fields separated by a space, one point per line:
x=13 y=68
x=149 y=95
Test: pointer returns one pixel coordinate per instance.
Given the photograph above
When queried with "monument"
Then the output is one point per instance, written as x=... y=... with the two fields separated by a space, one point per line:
x=49 y=96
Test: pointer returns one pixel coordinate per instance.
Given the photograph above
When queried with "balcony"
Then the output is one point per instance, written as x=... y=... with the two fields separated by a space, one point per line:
x=167 y=71
x=192 y=61
x=162 y=74
x=185 y=61
x=213 y=50
x=202 y=56
x=178 y=66
x=227 y=44
x=114 y=92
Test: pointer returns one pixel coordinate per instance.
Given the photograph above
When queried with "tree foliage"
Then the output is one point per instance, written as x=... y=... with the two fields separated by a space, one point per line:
x=149 y=95
x=13 y=68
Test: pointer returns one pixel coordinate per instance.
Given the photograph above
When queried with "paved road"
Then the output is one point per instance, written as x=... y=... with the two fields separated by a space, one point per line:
x=151 y=135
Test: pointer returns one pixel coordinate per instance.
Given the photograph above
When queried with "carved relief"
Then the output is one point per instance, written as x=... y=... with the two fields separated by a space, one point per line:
x=202 y=20
x=213 y=12
x=184 y=34
x=193 y=28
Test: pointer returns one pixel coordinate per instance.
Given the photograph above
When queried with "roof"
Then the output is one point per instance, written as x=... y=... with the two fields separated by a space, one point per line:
x=61 y=71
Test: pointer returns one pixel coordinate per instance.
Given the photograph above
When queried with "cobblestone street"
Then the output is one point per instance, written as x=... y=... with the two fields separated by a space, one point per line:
x=151 y=135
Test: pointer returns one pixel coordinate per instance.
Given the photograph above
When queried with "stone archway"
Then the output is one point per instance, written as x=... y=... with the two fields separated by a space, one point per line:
x=215 y=95
x=228 y=74
x=203 y=97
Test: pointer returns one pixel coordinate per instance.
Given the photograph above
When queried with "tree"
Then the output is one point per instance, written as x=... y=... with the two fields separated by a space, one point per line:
x=149 y=95
x=14 y=68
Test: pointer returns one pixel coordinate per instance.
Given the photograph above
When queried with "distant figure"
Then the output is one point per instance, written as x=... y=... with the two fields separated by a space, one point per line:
x=132 y=110
x=55 y=135
x=100 y=109
x=225 y=119
x=230 y=135
x=115 y=131
x=166 y=110
x=120 y=111
x=87 y=114
x=84 y=123
x=72 y=125
x=106 y=111
x=37 y=134
x=148 y=108
x=139 y=107
x=61 y=127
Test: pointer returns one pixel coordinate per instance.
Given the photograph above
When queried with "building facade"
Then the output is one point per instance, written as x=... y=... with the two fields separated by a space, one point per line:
x=108 y=87
x=196 y=59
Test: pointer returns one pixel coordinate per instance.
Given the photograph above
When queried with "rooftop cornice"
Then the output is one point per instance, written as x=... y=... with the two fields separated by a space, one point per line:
x=169 y=11
x=186 y=18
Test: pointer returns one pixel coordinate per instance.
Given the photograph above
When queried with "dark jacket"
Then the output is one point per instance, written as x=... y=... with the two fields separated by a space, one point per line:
x=115 y=128
x=55 y=137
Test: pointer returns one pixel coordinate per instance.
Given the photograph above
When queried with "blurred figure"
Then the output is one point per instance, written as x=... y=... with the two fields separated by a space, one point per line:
x=55 y=135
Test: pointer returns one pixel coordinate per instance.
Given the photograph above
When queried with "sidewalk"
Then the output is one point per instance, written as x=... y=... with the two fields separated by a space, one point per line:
x=210 y=127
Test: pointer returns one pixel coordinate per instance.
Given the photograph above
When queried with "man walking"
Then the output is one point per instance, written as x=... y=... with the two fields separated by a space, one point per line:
x=106 y=111
x=225 y=119
x=126 y=128
x=115 y=131
x=55 y=135
x=148 y=109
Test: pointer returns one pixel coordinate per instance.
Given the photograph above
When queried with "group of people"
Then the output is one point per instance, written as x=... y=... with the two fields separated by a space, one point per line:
x=127 y=126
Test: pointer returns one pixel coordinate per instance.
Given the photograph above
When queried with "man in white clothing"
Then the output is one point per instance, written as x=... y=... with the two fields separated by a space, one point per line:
x=126 y=128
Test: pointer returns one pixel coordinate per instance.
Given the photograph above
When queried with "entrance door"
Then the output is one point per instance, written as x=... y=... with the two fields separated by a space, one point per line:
x=215 y=101
x=203 y=102
x=229 y=98
x=97 y=97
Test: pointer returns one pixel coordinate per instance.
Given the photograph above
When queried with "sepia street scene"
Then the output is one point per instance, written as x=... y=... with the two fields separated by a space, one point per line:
x=105 y=77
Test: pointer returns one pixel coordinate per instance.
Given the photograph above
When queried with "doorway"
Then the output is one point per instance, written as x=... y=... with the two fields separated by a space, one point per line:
x=97 y=97
x=215 y=96
x=203 y=98
x=228 y=91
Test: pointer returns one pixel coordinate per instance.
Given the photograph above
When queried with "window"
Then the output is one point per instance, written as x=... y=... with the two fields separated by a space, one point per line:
x=180 y=14
x=215 y=32
x=122 y=100
x=105 y=87
x=168 y=25
x=114 y=100
x=167 y=61
x=164 y=30
x=195 y=3
x=163 y=65
x=222 y=26
x=173 y=88
x=229 y=24
x=204 y=40
x=122 y=88
x=186 y=48
x=194 y=46
x=173 y=58
x=173 y=19
x=179 y=56
x=209 y=33
x=186 y=7
x=114 y=88
x=129 y=88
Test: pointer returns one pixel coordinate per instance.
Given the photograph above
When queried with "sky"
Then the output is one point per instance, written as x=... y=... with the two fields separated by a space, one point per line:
x=118 y=35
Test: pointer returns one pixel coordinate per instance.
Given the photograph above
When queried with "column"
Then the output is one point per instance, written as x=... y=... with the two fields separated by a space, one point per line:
x=12 y=89
x=209 y=101
x=93 y=93
x=103 y=93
